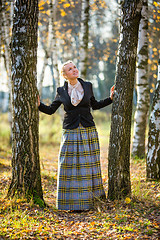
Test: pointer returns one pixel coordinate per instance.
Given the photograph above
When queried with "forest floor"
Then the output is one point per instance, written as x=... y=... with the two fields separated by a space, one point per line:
x=136 y=217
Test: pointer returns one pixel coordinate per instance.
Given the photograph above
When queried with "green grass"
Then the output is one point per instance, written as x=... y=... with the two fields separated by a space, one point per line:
x=133 y=218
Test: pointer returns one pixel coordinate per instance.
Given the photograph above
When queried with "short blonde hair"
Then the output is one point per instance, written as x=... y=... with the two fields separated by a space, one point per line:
x=63 y=65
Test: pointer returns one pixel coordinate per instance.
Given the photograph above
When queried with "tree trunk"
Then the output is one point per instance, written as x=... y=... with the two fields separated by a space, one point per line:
x=5 y=35
x=54 y=54
x=1 y=8
x=119 y=146
x=84 y=37
x=26 y=178
x=143 y=98
x=153 y=154
x=40 y=85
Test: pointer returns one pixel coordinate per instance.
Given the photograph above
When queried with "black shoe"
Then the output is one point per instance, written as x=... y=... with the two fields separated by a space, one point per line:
x=76 y=211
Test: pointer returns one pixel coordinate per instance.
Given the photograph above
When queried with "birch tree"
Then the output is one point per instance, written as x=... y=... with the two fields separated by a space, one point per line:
x=54 y=40
x=84 y=37
x=26 y=178
x=6 y=24
x=142 y=83
x=1 y=8
x=48 y=41
x=119 y=146
x=153 y=153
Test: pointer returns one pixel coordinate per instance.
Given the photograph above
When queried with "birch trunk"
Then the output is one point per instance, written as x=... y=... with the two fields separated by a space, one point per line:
x=54 y=54
x=40 y=85
x=84 y=37
x=143 y=98
x=1 y=8
x=50 y=49
x=153 y=153
x=26 y=178
x=119 y=146
x=5 y=35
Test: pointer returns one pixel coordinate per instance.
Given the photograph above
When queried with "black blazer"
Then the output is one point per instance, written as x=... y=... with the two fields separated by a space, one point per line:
x=74 y=115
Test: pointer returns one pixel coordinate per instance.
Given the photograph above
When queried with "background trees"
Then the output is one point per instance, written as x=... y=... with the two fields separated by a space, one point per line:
x=142 y=86
x=84 y=38
x=153 y=153
x=102 y=44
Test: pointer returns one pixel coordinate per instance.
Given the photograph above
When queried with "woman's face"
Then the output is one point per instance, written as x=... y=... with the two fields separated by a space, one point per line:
x=70 y=72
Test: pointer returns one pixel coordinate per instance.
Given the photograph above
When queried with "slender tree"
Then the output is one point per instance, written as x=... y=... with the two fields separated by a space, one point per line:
x=1 y=8
x=26 y=178
x=153 y=153
x=84 y=37
x=53 y=7
x=142 y=83
x=6 y=38
x=119 y=146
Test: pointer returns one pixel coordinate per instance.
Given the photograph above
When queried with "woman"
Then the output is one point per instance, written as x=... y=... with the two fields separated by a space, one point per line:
x=79 y=173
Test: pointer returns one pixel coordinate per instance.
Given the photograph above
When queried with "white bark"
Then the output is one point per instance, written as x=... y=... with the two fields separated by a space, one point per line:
x=141 y=114
x=153 y=154
x=54 y=41
x=84 y=38
x=50 y=49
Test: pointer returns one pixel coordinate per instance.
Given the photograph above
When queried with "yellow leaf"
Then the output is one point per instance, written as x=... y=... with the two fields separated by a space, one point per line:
x=155 y=4
x=154 y=75
x=116 y=217
x=66 y=5
x=92 y=223
x=40 y=228
x=63 y=13
x=127 y=200
x=41 y=3
x=154 y=49
x=8 y=8
x=41 y=8
x=151 y=90
x=48 y=12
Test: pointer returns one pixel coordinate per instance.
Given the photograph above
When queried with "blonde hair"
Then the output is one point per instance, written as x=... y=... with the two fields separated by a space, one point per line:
x=63 y=65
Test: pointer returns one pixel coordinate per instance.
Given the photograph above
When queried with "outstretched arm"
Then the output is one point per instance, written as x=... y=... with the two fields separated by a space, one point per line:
x=51 y=108
x=102 y=103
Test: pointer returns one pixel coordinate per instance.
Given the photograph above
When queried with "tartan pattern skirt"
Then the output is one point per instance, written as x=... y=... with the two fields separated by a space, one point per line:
x=79 y=173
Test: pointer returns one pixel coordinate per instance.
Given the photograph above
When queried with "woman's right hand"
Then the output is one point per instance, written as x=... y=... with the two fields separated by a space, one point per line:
x=38 y=101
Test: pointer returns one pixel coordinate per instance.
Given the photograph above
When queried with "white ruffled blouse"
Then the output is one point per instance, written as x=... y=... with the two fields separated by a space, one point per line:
x=76 y=93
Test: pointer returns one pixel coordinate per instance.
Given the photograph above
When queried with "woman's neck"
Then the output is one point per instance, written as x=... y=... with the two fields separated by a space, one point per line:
x=73 y=81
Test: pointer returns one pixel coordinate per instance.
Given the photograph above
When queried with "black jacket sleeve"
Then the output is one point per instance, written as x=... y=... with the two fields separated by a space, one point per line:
x=99 y=104
x=51 y=108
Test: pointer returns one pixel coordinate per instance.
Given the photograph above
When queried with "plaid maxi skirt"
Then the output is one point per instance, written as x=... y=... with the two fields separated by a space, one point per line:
x=79 y=173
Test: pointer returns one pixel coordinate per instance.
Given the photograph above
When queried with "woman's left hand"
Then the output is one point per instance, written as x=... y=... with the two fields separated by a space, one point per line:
x=38 y=101
x=112 y=92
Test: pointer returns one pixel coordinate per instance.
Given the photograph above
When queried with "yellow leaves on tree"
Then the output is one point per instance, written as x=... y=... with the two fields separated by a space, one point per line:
x=98 y=4
x=63 y=13
x=66 y=5
x=156 y=4
x=40 y=4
